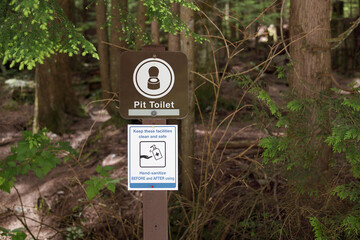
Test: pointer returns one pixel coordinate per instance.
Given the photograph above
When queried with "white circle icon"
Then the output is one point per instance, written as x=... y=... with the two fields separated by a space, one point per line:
x=153 y=78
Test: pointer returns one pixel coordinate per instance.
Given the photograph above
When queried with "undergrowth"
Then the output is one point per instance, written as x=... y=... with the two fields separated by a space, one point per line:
x=279 y=194
x=295 y=152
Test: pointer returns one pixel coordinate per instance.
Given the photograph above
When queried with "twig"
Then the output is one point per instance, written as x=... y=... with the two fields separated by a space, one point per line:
x=114 y=45
x=278 y=53
x=37 y=221
x=222 y=35
x=276 y=198
x=339 y=86
x=273 y=4
x=281 y=28
x=23 y=214
x=230 y=16
x=341 y=38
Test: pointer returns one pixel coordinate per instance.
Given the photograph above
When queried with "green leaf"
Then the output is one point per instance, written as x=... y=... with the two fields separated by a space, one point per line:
x=98 y=169
x=2 y=180
x=4 y=230
x=19 y=236
x=111 y=187
x=318 y=229
x=91 y=190
x=11 y=163
x=108 y=168
x=295 y=105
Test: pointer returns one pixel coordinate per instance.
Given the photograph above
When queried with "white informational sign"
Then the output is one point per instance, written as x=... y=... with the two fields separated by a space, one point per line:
x=152 y=157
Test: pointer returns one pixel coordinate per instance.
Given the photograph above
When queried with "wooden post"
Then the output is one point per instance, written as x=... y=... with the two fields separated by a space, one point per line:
x=155 y=207
x=155 y=204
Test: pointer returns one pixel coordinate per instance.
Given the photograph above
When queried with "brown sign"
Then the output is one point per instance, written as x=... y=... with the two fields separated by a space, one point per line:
x=153 y=85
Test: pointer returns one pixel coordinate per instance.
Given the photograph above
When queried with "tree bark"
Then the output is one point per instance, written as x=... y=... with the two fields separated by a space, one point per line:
x=226 y=20
x=141 y=24
x=155 y=34
x=118 y=11
x=311 y=58
x=187 y=141
x=103 y=50
x=55 y=96
x=174 y=40
x=51 y=108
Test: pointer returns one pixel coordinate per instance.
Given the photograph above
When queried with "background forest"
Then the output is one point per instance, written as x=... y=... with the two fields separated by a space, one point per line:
x=270 y=148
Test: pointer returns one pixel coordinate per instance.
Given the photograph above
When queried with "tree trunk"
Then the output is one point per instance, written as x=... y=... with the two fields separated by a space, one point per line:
x=187 y=141
x=141 y=24
x=55 y=96
x=226 y=21
x=311 y=58
x=155 y=35
x=51 y=108
x=119 y=12
x=103 y=50
x=174 y=40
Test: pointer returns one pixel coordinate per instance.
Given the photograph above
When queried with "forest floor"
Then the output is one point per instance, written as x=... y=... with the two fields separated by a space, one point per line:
x=56 y=205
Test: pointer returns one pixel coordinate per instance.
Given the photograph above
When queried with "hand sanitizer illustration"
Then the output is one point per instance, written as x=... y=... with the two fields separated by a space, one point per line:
x=152 y=154
x=156 y=152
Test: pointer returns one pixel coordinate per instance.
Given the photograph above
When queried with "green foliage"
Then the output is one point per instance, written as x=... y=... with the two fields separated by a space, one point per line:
x=295 y=105
x=16 y=234
x=160 y=10
x=352 y=102
x=318 y=229
x=282 y=71
x=31 y=30
x=275 y=147
x=295 y=148
x=348 y=191
x=35 y=153
x=97 y=183
x=131 y=31
x=168 y=21
x=351 y=223
x=336 y=226
x=250 y=9
x=264 y=96
x=74 y=233
x=345 y=137
x=243 y=81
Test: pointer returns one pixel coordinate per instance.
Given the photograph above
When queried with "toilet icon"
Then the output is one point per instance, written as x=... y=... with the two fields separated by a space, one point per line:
x=153 y=78
x=153 y=82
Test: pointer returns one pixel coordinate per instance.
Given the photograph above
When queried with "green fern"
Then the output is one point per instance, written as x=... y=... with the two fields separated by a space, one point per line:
x=318 y=229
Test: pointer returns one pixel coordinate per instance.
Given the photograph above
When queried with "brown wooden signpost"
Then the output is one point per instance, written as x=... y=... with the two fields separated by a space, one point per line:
x=153 y=87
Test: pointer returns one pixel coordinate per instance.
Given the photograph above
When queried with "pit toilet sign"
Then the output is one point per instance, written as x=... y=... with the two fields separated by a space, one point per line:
x=153 y=85
x=152 y=157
